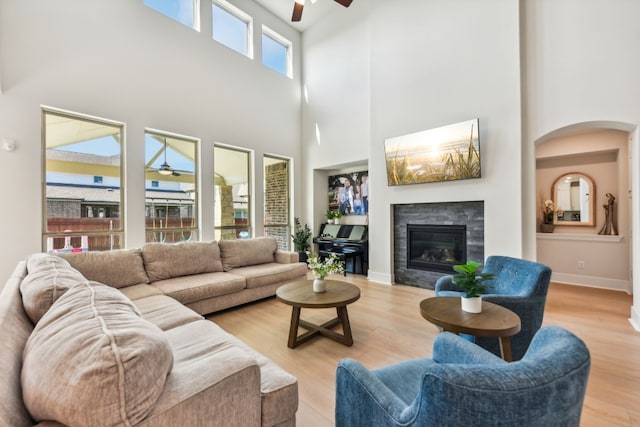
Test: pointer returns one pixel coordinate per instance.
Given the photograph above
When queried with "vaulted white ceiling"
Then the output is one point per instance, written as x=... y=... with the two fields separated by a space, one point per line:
x=314 y=10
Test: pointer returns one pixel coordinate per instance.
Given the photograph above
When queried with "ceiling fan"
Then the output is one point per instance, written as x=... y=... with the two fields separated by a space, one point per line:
x=164 y=168
x=298 y=5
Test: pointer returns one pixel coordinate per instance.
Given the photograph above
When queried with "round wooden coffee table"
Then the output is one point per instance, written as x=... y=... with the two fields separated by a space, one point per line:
x=300 y=295
x=493 y=321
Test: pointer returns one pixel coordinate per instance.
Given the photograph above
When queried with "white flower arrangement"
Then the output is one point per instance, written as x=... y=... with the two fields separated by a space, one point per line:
x=322 y=269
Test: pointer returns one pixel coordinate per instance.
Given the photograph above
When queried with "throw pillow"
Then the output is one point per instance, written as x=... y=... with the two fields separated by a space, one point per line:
x=93 y=361
x=48 y=278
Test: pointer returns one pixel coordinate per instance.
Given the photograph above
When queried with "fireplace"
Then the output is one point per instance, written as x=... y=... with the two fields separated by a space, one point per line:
x=467 y=214
x=436 y=247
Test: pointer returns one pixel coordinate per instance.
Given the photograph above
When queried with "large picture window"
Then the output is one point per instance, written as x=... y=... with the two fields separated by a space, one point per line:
x=83 y=194
x=232 y=193
x=276 y=200
x=170 y=188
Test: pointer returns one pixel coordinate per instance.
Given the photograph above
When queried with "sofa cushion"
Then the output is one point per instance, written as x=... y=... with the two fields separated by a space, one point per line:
x=240 y=253
x=93 y=361
x=117 y=268
x=267 y=274
x=142 y=290
x=197 y=287
x=278 y=388
x=165 y=312
x=167 y=260
x=48 y=279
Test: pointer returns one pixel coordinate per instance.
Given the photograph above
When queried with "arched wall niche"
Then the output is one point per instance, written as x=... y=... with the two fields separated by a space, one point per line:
x=579 y=255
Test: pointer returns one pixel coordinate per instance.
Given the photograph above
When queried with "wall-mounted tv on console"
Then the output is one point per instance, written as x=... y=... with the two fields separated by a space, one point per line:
x=446 y=153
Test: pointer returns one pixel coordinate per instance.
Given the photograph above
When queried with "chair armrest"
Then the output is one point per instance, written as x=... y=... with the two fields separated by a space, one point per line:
x=450 y=348
x=445 y=283
x=361 y=394
x=286 y=257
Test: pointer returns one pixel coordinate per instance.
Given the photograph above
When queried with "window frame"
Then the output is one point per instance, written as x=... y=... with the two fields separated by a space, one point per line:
x=194 y=230
x=241 y=16
x=288 y=223
x=47 y=236
x=250 y=191
x=284 y=42
x=195 y=17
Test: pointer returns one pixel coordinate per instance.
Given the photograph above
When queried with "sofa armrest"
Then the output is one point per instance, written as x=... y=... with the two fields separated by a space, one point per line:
x=450 y=348
x=286 y=257
x=222 y=385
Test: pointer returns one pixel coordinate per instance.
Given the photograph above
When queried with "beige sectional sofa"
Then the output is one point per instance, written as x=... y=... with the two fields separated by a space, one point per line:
x=117 y=338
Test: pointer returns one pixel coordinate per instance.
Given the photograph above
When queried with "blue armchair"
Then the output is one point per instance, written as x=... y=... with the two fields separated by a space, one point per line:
x=465 y=385
x=521 y=286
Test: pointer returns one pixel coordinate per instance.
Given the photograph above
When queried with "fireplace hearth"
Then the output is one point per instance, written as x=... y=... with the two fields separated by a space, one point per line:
x=436 y=247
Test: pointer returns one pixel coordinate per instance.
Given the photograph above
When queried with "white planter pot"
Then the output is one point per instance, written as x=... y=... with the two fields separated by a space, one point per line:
x=471 y=305
x=319 y=285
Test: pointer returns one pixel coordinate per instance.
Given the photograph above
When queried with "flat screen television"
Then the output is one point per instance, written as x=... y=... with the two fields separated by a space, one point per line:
x=445 y=153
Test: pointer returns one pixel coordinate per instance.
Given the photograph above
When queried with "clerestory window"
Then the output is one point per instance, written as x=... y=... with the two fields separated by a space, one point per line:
x=184 y=11
x=232 y=27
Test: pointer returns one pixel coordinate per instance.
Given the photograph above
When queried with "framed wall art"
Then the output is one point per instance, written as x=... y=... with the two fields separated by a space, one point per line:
x=446 y=153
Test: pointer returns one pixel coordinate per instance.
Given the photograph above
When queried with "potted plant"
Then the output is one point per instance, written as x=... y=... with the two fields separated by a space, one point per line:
x=336 y=217
x=301 y=235
x=322 y=268
x=471 y=280
x=549 y=210
x=330 y=216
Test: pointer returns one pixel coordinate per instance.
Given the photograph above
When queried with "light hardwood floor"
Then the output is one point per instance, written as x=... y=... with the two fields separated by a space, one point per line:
x=387 y=328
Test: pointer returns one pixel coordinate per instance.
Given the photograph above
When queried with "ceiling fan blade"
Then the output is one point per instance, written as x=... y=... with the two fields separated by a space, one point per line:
x=345 y=3
x=297 y=12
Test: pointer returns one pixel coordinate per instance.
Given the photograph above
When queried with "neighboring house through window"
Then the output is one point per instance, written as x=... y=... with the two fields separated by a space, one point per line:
x=81 y=212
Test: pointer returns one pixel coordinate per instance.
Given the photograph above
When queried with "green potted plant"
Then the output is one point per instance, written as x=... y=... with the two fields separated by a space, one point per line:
x=321 y=268
x=336 y=217
x=468 y=277
x=301 y=235
x=330 y=216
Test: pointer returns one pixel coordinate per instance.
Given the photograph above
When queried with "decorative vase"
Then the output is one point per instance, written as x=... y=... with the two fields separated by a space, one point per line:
x=471 y=305
x=319 y=285
x=329 y=220
x=546 y=228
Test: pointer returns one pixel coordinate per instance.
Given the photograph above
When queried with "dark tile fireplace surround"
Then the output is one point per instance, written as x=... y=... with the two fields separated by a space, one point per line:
x=437 y=231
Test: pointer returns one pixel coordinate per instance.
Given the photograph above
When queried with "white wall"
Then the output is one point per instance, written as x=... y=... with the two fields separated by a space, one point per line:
x=123 y=61
x=429 y=64
x=581 y=66
x=336 y=124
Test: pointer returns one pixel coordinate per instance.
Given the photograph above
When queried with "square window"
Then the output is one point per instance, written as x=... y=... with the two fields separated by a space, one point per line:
x=97 y=180
x=154 y=184
x=183 y=11
x=276 y=52
x=232 y=27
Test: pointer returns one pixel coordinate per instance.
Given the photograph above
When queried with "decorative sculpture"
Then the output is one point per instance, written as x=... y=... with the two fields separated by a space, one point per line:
x=609 y=228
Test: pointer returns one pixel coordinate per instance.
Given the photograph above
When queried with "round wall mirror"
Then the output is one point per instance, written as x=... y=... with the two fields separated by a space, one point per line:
x=574 y=194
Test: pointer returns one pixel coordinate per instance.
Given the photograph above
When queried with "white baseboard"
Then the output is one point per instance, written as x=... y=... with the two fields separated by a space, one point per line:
x=635 y=318
x=383 y=278
x=592 y=282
